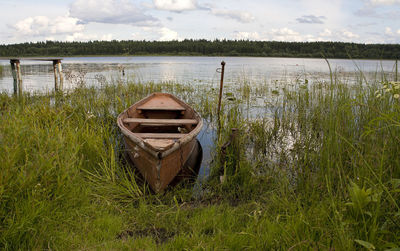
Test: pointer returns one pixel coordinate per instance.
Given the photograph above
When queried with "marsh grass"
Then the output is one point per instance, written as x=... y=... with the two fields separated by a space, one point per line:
x=314 y=166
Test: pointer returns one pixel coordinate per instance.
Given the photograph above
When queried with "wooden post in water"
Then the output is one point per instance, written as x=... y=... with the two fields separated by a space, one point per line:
x=55 y=75
x=60 y=74
x=396 y=72
x=19 y=77
x=14 y=74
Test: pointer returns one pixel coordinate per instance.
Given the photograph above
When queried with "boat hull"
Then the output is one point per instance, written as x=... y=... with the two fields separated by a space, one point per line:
x=159 y=172
x=160 y=135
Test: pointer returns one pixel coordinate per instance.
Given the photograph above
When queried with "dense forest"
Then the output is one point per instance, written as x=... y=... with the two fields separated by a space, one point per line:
x=204 y=47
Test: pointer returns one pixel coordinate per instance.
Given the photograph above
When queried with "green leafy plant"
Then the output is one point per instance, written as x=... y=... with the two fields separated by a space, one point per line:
x=362 y=200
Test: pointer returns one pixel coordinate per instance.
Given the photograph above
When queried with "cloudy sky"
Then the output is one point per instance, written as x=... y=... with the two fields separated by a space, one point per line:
x=364 y=21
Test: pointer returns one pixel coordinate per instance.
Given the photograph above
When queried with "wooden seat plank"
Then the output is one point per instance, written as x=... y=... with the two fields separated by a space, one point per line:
x=160 y=135
x=160 y=108
x=161 y=121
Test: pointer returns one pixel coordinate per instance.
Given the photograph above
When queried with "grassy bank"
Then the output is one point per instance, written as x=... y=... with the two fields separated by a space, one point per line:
x=314 y=166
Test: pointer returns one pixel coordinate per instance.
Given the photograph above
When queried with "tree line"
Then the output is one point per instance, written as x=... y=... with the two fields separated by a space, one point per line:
x=204 y=48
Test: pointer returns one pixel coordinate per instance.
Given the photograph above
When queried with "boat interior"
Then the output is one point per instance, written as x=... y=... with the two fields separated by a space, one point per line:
x=160 y=120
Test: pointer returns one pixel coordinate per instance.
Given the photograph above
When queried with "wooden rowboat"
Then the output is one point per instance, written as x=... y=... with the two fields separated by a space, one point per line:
x=160 y=135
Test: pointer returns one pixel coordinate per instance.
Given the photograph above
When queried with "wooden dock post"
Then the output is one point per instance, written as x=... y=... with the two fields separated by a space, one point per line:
x=55 y=75
x=14 y=74
x=19 y=77
x=60 y=74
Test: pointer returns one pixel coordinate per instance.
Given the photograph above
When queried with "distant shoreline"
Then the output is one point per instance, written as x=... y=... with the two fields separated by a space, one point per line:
x=215 y=48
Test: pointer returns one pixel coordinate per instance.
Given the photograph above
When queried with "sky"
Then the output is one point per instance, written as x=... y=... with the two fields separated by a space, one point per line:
x=359 y=21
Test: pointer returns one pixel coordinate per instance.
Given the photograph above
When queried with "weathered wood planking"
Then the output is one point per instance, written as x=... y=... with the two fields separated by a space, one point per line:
x=161 y=121
x=161 y=135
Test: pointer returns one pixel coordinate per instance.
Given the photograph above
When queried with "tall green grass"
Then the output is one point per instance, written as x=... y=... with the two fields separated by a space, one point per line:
x=314 y=166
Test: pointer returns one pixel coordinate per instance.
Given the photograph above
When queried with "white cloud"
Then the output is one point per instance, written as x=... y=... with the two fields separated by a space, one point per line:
x=78 y=36
x=175 y=5
x=348 y=35
x=106 y=37
x=285 y=34
x=384 y=2
x=137 y=36
x=243 y=35
x=160 y=34
x=311 y=19
x=168 y=34
x=388 y=31
x=110 y=11
x=370 y=11
x=241 y=16
x=366 y=12
x=44 y=26
x=289 y=35
x=325 y=33
x=379 y=9
x=311 y=38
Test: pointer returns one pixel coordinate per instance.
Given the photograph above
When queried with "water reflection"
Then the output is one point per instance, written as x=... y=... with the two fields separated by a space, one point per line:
x=206 y=138
x=38 y=75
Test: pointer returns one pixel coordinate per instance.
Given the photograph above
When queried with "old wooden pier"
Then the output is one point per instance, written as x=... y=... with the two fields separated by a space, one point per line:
x=16 y=72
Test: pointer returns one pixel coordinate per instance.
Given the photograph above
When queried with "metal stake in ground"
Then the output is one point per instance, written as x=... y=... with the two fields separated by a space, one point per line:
x=220 y=90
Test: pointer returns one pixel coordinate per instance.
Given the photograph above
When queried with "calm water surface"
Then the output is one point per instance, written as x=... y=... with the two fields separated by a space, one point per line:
x=38 y=75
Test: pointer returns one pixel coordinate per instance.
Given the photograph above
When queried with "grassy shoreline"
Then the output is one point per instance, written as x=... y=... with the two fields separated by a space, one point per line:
x=316 y=166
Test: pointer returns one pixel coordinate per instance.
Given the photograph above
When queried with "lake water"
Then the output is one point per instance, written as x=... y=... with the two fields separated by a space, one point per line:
x=38 y=75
